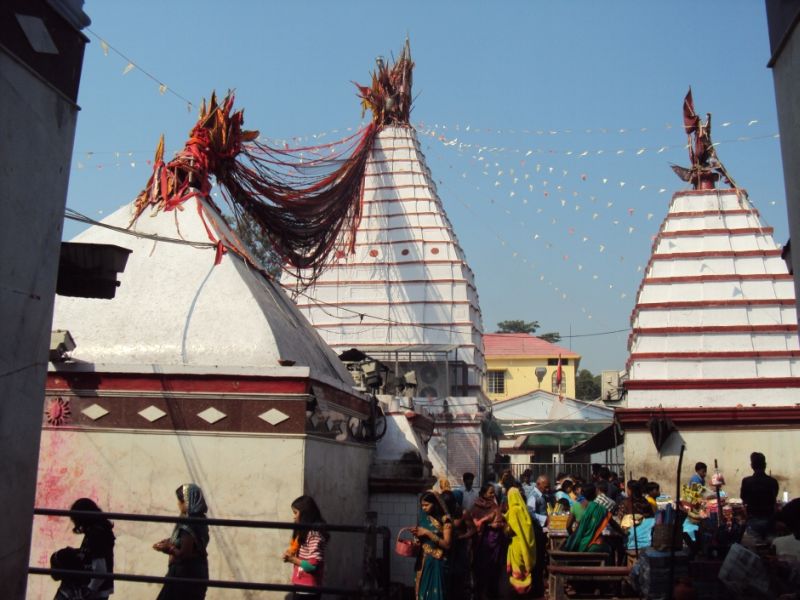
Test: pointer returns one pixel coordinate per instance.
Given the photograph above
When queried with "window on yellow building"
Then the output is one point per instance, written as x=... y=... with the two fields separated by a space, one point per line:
x=562 y=389
x=496 y=382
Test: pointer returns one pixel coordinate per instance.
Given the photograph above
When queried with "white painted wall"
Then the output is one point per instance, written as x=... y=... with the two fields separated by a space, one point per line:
x=714 y=397
x=722 y=241
x=713 y=369
x=695 y=317
x=708 y=200
x=336 y=475
x=243 y=477
x=717 y=290
x=742 y=265
x=731 y=447
x=397 y=511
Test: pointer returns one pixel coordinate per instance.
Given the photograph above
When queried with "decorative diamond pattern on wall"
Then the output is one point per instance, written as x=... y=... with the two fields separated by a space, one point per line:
x=273 y=416
x=94 y=412
x=211 y=415
x=152 y=413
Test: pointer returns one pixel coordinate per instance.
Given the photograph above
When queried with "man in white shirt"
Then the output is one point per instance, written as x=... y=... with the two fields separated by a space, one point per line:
x=537 y=504
x=527 y=486
x=470 y=494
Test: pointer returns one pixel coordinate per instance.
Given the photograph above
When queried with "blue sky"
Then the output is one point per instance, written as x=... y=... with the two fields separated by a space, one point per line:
x=549 y=126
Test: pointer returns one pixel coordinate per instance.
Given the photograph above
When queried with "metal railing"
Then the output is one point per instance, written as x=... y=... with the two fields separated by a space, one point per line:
x=583 y=470
x=375 y=579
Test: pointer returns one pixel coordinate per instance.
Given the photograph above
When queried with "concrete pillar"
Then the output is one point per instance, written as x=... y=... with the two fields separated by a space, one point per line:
x=41 y=54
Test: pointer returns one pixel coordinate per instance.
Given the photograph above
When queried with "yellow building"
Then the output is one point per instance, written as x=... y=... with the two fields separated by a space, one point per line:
x=519 y=363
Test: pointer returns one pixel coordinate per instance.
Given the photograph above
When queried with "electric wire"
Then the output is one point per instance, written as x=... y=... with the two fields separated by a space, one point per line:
x=74 y=215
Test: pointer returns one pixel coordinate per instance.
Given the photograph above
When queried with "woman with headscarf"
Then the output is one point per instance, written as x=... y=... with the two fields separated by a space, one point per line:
x=435 y=533
x=521 y=556
x=97 y=547
x=186 y=547
x=489 y=542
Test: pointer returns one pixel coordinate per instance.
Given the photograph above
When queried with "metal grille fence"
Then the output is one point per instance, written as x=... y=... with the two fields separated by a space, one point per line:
x=583 y=470
x=375 y=575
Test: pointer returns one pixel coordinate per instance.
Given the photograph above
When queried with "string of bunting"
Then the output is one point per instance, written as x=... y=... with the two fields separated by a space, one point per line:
x=570 y=230
x=569 y=131
x=131 y=65
x=322 y=153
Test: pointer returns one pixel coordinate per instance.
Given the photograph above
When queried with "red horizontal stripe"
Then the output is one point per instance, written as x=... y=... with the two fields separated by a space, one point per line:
x=402 y=214
x=707 y=355
x=399 y=346
x=320 y=282
x=395 y=187
x=409 y=227
x=714 y=303
x=717 y=254
x=394 y=264
x=720 y=231
x=711 y=417
x=710 y=384
x=434 y=199
x=397 y=324
x=727 y=277
x=412 y=241
x=394 y=172
x=737 y=192
x=388 y=303
x=177 y=383
x=385 y=281
x=391 y=160
x=790 y=328
x=375 y=149
x=713 y=213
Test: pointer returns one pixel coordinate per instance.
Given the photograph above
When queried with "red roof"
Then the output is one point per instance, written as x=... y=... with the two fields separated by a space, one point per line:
x=522 y=344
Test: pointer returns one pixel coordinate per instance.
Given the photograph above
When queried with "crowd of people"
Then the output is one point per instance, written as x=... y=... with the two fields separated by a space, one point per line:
x=492 y=542
x=479 y=544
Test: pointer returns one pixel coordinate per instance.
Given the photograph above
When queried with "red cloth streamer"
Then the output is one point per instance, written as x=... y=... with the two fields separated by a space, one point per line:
x=559 y=374
x=303 y=215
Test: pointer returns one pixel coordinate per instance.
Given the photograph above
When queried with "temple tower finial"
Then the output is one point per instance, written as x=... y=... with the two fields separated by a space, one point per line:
x=706 y=168
x=389 y=95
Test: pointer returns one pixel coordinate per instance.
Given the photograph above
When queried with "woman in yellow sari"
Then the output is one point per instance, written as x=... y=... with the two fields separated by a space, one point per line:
x=521 y=557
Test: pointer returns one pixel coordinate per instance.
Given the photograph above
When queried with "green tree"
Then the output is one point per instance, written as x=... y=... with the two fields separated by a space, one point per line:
x=257 y=243
x=517 y=326
x=553 y=337
x=530 y=327
x=587 y=386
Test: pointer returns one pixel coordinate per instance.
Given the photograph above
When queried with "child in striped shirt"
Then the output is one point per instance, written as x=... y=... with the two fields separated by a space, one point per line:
x=307 y=549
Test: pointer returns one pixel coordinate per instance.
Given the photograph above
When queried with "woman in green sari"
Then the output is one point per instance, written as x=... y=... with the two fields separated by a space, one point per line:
x=435 y=533
x=588 y=535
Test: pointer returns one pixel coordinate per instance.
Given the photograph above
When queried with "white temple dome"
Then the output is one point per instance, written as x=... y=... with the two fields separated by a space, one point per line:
x=176 y=309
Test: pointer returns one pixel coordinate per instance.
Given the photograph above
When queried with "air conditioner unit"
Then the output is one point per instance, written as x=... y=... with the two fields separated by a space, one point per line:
x=431 y=380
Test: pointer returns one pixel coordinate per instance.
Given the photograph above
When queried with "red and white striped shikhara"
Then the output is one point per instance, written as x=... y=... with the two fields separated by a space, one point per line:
x=305 y=201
